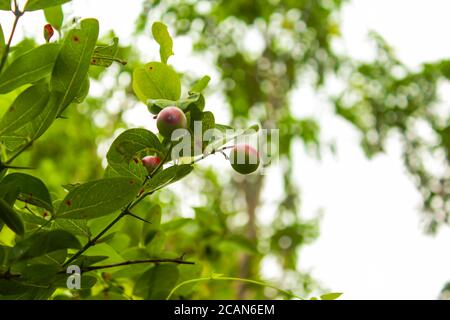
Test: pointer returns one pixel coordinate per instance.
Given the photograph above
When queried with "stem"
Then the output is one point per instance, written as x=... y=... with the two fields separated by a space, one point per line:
x=17 y=14
x=130 y=262
x=91 y=242
x=289 y=294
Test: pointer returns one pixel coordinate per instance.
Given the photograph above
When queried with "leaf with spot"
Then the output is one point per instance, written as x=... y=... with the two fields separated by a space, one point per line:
x=29 y=67
x=10 y=217
x=104 y=55
x=33 y=5
x=162 y=36
x=72 y=63
x=44 y=242
x=168 y=176
x=156 y=80
x=129 y=147
x=31 y=189
x=97 y=198
x=25 y=108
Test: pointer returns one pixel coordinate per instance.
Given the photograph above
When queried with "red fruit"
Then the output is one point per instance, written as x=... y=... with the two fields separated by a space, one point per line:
x=244 y=159
x=169 y=119
x=48 y=32
x=151 y=163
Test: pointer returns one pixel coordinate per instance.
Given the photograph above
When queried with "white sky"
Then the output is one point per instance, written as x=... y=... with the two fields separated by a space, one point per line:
x=371 y=244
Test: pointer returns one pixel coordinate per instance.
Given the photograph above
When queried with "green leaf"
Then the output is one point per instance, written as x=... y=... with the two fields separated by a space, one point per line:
x=2 y=41
x=54 y=16
x=195 y=100
x=85 y=261
x=200 y=85
x=168 y=176
x=32 y=66
x=77 y=227
x=25 y=108
x=129 y=147
x=331 y=296
x=156 y=80
x=33 y=5
x=214 y=145
x=5 y=5
x=162 y=36
x=72 y=63
x=157 y=282
x=84 y=90
x=32 y=190
x=104 y=55
x=44 y=242
x=98 y=198
x=9 y=216
x=176 y=224
x=40 y=274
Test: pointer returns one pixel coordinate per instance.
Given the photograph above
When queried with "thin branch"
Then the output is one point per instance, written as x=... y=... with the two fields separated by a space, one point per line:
x=130 y=262
x=17 y=14
x=137 y=217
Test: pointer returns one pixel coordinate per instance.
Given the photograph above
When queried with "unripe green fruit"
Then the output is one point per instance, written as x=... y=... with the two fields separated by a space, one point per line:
x=169 y=119
x=151 y=163
x=244 y=159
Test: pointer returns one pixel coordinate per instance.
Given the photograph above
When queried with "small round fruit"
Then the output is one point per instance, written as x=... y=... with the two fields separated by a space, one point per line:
x=244 y=159
x=169 y=119
x=151 y=163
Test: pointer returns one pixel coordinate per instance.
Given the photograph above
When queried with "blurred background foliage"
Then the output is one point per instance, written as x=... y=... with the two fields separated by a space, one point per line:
x=224 y=234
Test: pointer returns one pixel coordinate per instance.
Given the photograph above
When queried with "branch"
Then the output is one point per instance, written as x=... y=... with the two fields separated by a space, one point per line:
x=17 y=14
x=130 y=262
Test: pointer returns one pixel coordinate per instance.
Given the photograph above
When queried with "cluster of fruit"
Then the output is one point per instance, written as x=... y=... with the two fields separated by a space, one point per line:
x=243 y=158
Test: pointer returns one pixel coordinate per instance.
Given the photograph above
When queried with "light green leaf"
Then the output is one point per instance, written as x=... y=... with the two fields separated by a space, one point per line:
x=77 y=227
x=2 y=41
x=331 y=296
x=200 y=85
x=11 y=218
x=98 y=198
x=25 y=108
x=31 y=189
x=129 y=147
x=156 y=80
x=32 y=66
x=168 y=176
x=5 y=5
x=33 y=5
x=104 y=55
x=44 y=242
x=162 y=36
x=54 y=16
x=72 y=63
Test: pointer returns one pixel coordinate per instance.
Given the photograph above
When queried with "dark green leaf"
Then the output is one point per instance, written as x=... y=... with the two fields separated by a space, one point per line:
x=98 y=198
x=33 y=5
x=39 y=274
x=195 y=100
x=32 y=190
x=72 y=63
x=156 y=80
x=129 y=147
x=32 y=66
x=168 y=176
x=54 y=16
x=25 y=108
x=162 y=36
x=10 y=217
x=5 y=5
x=44 y=242
x=157 y=282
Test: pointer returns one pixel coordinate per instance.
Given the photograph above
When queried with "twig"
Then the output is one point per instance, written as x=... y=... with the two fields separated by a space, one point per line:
x=17 y=14
x=130 y=262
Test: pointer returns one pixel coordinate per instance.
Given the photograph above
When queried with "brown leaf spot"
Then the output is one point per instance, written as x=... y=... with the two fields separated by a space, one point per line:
x=69 y=203
x=136 y=160
x=131 y=181
x=76 y=38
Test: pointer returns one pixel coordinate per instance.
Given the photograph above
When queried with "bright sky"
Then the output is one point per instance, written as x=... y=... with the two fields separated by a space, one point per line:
x=371 y=244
